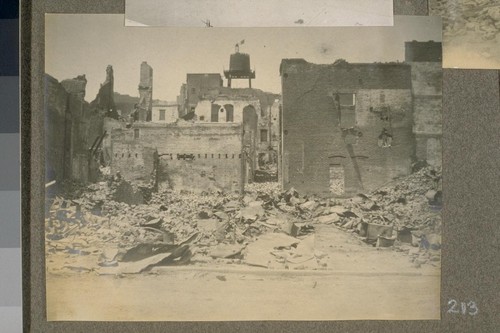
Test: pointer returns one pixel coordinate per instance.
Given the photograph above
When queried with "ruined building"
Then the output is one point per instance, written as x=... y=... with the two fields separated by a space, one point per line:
x=197 y=86
x=206 y=100
x=426 y=76
x=181 y=156
x=217 y=143
x=354 y=127
x=145 y=106
x=74 y=130
x=105 y=97
x=164 y=112
x=76 y=86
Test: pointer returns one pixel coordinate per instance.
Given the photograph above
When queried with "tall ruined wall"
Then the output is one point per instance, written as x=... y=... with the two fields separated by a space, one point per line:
x=191 y=156
x=76 y=86
x=71 y=128
x=197 y=85
x=320 y=156
x=427 y=105
x=146 y=89
x=104 y=100
x=275 y=122
x=57 y=127
x=426 y=76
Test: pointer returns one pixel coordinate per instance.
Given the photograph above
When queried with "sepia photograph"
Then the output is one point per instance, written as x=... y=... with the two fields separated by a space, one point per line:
x=237 y=174
x=258 y=13
x=471 y=32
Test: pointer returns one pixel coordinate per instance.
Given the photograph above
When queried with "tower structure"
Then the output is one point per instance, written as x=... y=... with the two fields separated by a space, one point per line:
x=239 y=67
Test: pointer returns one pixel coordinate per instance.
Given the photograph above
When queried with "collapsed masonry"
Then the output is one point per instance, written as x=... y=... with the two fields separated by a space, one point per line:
x=92 y=229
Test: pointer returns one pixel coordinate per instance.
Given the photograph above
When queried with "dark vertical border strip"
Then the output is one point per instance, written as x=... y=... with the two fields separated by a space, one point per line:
x=9 y=9
x=9 y=41
x=25 y=102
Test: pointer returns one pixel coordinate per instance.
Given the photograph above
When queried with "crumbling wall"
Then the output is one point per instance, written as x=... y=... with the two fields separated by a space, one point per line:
x=57 y=127
x=109 y=124
x=426 y=78
x=72 y=127
x=427 y=108
x=316 y=146
x=146 y=90
x=199 y=84
x=76 y=86
x=104 y=100
x=190 y=156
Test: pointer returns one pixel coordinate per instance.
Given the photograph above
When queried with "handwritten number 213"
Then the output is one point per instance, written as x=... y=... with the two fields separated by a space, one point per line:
x=462 y=307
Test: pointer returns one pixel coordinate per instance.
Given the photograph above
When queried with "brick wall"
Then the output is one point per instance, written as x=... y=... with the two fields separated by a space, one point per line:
x=313 y=139
x=427 y=109
x=71 y=127
x=192 y=156
x=198 y=85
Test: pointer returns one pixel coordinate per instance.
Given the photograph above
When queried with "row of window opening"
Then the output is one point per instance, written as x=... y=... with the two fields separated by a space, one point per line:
x=189 y=156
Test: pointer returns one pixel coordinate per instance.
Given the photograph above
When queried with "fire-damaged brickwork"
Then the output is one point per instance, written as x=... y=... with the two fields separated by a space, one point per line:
x=73 y=132
x=183 y=155
x=346 y=127
x=426 y=75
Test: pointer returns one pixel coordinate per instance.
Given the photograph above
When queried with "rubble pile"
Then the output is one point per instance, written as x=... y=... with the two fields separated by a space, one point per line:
x=267 y=227
x=410 y=206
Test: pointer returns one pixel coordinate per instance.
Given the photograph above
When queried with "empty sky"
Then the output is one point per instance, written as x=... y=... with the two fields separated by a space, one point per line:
x=78 y=44
x=260 y=13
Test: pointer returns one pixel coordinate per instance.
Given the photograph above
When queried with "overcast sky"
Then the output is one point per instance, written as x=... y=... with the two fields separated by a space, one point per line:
x=259 y=13
x=86 y=43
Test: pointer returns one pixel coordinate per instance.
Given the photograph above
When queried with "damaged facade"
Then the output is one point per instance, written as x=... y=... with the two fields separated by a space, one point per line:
x=208 y=101
x=198 y=85
x=352 y=127
x=105 y=97
x=183 y=155
x=426 y=76
x=164 y=112
x=74 y=131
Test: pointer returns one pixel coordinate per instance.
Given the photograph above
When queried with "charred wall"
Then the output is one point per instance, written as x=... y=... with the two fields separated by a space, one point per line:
x=331 y=143
x=426 y=72
x=72 y=127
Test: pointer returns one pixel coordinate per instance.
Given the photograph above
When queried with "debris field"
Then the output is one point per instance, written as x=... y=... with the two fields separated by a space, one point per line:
x=113 y=227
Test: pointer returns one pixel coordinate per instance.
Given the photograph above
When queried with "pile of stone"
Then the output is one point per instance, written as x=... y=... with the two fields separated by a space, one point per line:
x=410 y=203
x=217 y=225
x=113 y=223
